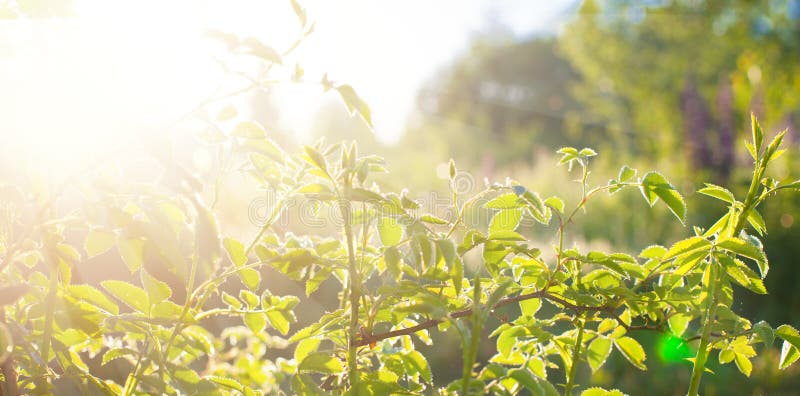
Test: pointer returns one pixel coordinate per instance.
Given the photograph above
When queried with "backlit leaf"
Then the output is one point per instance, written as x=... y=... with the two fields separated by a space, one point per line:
x=632 y=351
x=598 y=351
x=98 y=242
x=321 y=362
x=129 y=294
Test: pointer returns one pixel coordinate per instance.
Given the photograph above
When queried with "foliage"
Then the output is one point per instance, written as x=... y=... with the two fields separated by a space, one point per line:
x=401 y=272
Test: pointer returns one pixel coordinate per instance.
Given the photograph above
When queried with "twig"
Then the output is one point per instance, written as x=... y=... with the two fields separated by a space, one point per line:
x=368 y=339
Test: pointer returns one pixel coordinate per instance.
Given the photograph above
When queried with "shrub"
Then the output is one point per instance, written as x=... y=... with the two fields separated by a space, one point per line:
x=401 y=273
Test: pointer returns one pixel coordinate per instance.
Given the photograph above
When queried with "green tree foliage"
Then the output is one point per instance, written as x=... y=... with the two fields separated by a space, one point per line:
x=658 y=87
x=507 y=97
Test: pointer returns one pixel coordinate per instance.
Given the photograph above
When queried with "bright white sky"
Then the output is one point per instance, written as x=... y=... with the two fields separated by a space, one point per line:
x=72 y=86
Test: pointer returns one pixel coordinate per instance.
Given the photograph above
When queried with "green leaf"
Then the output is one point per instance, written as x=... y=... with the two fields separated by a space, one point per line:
x=653 y=252
x=235 y=251
x=255 y=321
x=655 y=186
x=568 y=156
x=504 y=201
x=598 y=351
x=93 y=296
x=788 y=334
x=755 y=220
x=157 y=291
x=601 y=392
x=249 y=298
x=626 y=173
x=427 y=218
x=363 y=195
x=305 y=348
x=250 y=277
x=457 y=274
x=391 y=257
x=129 y=294
x=132 y=252
x=225 y=382
x=354 y=103
x=313 y=157
x=632 y=351
x=530 y=307
x=279 y=321
x=772 y=147
x=249 y=130
x=167 y=310
x=389 y=231
x=321 y=362
x=232 y=301
x=505 y=235
x=508 y=338
x=726 y=356
x=746 y=249
x=416 y=363
x=717 y=192
x=789 y=355
x=686 y=246
x=743 y=275
x=455 y=267
x=505 y=220
x=186 y=375
x=98 y=242
x=744 y=364
x=555 y=203
x=763 y=332
x=758 y=134
x=678 y=323
x=116 y=353
x=535 y=385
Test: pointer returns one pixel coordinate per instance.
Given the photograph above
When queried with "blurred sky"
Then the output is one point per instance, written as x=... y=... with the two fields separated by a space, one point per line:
x=73 y=86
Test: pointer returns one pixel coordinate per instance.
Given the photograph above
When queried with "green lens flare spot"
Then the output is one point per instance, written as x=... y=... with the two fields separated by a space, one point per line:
x=672 y=349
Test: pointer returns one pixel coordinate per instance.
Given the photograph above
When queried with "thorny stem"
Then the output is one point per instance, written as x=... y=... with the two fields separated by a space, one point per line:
x=576 y=354
x=709 y=319
x=702 y=350
x=471 y=350
x=50 y=307
x=133 y=377
x=353 y=289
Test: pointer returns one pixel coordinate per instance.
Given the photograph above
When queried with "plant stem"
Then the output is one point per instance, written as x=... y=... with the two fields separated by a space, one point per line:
x=353 y=287
x=133 y=377
x=576 y=354
x=471 y=352
x=49 y=317
x=702 y=350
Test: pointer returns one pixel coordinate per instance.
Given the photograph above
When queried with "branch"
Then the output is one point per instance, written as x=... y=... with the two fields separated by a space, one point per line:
x=367 y=339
